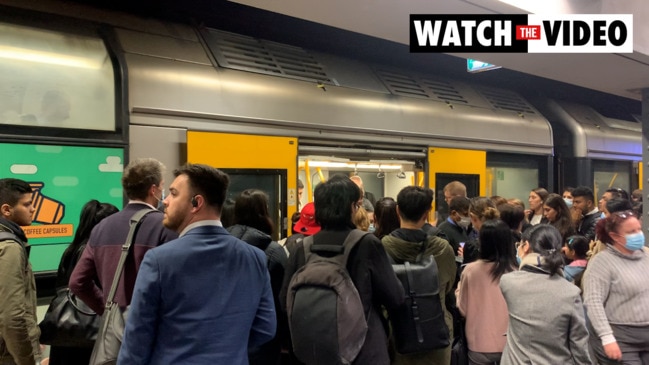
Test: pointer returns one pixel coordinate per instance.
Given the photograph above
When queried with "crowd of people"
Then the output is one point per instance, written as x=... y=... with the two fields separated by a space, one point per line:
x=561 y=282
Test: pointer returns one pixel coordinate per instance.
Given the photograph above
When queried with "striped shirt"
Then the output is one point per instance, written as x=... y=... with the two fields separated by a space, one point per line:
x=616 y=291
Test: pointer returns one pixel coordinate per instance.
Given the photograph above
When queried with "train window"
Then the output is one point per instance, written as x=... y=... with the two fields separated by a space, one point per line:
x=381 y=178
x=514 y=176
x=273 y=183
x=53 y=79
x=611 y=174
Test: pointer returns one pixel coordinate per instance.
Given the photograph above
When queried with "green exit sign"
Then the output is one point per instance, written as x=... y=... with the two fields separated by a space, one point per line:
x=479 y=66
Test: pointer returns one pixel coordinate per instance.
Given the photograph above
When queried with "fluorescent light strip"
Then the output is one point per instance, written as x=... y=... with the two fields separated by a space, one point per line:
x=362 y=166
x=21 y=54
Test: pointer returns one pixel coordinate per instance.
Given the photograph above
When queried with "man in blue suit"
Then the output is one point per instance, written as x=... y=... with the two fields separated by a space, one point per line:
x=205 y=297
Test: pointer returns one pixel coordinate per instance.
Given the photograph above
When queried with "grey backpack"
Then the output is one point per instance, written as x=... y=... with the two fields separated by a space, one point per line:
x=325 y=312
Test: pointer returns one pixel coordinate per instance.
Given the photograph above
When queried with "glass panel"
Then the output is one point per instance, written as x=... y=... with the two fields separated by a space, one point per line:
x=381 y=178
x=269 y=183
x=51 y=79
x=611 y=174
x=513 y=182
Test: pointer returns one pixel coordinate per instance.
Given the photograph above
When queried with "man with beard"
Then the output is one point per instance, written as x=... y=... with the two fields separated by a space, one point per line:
x=205 y=297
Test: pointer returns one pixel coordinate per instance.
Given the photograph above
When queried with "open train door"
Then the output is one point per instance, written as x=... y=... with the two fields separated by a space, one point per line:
x=448 y=164
x=267 y=163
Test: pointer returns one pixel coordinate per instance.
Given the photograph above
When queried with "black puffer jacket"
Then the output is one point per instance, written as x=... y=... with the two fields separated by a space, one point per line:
x=268 y=353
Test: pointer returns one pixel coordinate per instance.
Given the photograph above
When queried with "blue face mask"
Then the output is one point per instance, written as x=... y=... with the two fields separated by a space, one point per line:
x=568 y=202
x=518 y=259
x=371 y=229
x=634 y=241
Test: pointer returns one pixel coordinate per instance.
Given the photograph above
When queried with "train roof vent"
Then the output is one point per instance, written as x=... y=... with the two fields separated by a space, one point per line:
x=402 y=84
x=444 y=90
x=506 y=100
x=255 y=55
x=420 y=87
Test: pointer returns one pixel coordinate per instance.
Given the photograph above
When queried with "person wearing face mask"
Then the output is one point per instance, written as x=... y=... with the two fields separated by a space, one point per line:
x=456 y=226
x=546 y=315
x=567 y=195
x=616 y=292
x=456 y=229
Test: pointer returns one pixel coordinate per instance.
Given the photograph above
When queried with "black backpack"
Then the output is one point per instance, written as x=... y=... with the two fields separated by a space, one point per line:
x=325 y=312
x=418 y=325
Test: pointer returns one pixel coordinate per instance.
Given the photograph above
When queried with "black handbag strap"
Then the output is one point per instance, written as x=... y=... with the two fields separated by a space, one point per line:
x=136 y=219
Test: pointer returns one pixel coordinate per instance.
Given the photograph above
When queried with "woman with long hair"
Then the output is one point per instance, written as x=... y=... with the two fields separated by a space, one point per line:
x=546 y=315
x=386 y=218
x=616 y=292
x=91 y=214
x=479 y=298
x=253 y=225
x=536 y=199
x=556 y=211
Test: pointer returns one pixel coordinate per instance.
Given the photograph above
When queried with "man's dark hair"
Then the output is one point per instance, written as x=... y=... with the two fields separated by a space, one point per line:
x=11 y=190
x=414 y=202
x=139 y=175
x=617 y=193
x=584 y=191
x=333 y=201
x=206 y=181
x=460 y=204
x=300 y=184
x=618 y=205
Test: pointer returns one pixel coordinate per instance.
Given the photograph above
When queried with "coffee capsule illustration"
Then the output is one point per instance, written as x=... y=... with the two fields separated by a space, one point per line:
x=47 y=210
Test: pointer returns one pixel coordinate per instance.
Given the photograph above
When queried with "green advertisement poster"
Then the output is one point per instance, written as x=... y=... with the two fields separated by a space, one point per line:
x=63 y=179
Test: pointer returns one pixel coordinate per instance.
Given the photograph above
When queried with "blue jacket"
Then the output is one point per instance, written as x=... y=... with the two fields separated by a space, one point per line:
x=201 y=299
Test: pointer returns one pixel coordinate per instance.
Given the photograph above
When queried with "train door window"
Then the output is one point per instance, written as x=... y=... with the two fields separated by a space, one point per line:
x=273 y=183
x=611 y=174
x=514 y=176
x=381 y=178
x=54 y=79
x=471 y=181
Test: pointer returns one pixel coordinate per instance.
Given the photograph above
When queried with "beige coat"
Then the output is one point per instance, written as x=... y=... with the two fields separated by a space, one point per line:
x=19 y=332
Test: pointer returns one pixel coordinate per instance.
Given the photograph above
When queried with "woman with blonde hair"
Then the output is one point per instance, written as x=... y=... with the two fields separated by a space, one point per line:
x=481 y=209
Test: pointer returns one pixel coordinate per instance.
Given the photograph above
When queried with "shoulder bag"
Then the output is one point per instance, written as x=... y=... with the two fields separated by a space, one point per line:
x=69 y=322
x=113 y=321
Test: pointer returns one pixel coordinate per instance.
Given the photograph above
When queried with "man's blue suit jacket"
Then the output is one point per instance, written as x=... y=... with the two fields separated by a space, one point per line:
x=200 y=299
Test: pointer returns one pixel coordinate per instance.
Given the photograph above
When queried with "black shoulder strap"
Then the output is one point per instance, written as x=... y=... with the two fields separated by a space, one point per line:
x=341 y=251
x=135 y=221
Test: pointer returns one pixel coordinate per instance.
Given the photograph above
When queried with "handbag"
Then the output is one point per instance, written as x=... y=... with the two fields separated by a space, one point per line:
x=113 y=321
x=69 y=322
x=460 y=349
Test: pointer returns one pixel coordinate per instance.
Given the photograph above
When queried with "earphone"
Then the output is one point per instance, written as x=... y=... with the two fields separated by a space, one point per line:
x=194 y=202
